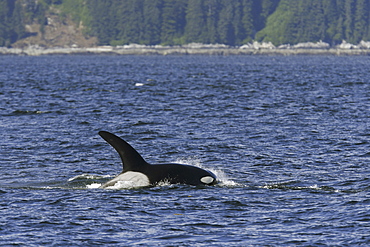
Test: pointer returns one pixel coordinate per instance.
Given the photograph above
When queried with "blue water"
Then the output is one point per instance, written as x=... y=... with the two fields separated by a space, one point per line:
x=288 y=137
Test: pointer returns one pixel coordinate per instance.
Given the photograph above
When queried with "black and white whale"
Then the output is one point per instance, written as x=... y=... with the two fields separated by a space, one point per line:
x=141 y=173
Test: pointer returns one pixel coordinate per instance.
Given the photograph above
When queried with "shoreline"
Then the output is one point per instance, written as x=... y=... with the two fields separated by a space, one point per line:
x=180 y=50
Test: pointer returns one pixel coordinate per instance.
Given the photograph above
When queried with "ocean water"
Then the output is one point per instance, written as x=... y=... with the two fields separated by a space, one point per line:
x=288 y=138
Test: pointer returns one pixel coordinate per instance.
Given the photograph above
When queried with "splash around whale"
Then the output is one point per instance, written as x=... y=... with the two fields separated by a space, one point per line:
x=137 y=171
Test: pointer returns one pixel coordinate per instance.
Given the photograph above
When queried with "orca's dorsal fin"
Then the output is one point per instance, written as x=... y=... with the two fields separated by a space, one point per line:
x=131 y=159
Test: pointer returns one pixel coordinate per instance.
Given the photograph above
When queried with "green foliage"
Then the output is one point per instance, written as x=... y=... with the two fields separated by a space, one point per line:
x=281 y=26
x=313 y=20
x=195 y=30
x=76 y=9
x=171 y=22
x=151 y=22
x=11 y=22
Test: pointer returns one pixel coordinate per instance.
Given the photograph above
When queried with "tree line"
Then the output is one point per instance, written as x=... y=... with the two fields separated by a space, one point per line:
x=15 y=15
x=332 y=21
x=11 y=24
x=172 y=22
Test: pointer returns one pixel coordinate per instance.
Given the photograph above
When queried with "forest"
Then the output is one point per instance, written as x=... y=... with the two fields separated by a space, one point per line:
x=176 y=22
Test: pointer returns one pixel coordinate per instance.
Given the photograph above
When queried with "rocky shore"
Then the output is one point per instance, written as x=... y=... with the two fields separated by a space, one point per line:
x=255 y=48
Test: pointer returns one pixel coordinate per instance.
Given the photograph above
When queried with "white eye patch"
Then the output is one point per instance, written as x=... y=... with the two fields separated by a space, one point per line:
x=207 y=180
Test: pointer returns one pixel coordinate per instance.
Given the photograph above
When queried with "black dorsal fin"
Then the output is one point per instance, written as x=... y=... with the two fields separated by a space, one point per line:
x=131 y=159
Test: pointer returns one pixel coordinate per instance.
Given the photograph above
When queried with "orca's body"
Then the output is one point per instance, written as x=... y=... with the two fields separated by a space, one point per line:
x=137 y=170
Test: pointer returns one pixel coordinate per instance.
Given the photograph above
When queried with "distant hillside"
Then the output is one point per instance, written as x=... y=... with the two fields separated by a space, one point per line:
x=331 y=21
x=170 y=22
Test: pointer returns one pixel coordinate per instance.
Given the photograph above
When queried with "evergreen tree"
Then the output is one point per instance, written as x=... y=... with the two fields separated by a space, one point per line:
x=132 y=28
x=239 y=31
x=4 y=10
x=17 y=31
x=247 y=21
x=226 y=28
x=152 y=22
x=332 y=17
x=173 y=21
x=349 y=19
x=361 y=25
x=195 y=30
x=262 y=9
x=281 y=26
x=11 y=22
x=212 y=9
x=101 y=21
x=311 y=21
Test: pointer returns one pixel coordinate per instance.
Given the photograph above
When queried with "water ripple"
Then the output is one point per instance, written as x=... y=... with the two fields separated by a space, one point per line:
x=287 y=137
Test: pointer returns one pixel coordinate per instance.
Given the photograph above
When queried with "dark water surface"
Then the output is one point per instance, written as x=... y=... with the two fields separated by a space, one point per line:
x=288 y=137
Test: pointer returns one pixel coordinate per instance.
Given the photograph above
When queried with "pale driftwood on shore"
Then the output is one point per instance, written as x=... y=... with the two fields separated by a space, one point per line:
x=319 y=48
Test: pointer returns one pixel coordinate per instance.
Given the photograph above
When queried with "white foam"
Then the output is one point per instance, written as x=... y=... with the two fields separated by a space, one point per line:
x=163 y=183
x=223 y=179
x=87 y=176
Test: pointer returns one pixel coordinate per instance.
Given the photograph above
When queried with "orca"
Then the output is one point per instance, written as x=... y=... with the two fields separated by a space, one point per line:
x=141 y=173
